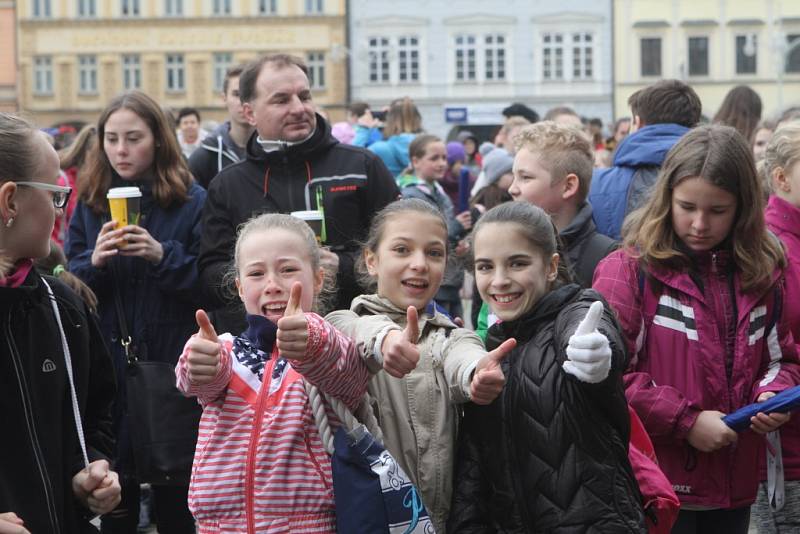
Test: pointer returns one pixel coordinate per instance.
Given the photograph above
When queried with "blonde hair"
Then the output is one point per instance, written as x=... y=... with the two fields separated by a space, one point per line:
x=783 y=151
x=563 y=150
x=18 y=152
x=402 y=117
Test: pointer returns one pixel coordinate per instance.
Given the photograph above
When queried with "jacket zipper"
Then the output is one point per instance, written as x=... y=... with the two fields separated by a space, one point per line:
x=249 y=475
x=37 y=450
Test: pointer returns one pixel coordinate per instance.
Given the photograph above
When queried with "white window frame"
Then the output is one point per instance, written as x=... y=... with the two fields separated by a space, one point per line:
x=173 y=8
x=553 y=55
x=661 y=40
x=315 y=7
x=87 y=74
x=43 y=75
x=131 y=71
x=222 y=61
x=689 y=38
x=378 y=57
x=583 y=54
x=267 y=7
x=87 y=9
x=408 y=59
x=133 y=8
x=495 y=57
x=315 y=61
x=221 y=7
x=175 y=71
x=465 y=60
x=42 y=9
x=744 y=35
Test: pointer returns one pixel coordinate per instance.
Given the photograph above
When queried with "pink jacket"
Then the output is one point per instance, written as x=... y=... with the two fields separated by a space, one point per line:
x=678 y=368
x=783 y=219
x=260 y=465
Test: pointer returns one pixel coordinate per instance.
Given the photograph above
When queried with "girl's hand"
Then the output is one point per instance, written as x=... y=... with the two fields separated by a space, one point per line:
x=465 y=218
x=488 y=380
x=709 y=433
x=106 y=245
x=292 y=337
x=97 y=487
x=763 y=423
x=141 y=244
x=399 y=348
x=588 y=351
x=202 y=359
x=10 y=523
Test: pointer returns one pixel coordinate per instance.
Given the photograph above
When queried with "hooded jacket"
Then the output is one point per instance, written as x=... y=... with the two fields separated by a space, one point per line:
x=418 y=414
x=394 y=151
x=216 y=152
x=620 y=189
x=680 y=366
x=39 y=450
x=353 y=184
x=783 y=219
x=550 y=454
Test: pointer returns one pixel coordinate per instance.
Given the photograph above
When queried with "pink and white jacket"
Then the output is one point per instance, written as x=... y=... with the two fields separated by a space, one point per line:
x=783 y=219
x=260 y=465
x=686 y=358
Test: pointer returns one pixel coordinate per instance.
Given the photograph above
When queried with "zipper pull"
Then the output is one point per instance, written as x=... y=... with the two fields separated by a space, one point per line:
x=714 y=262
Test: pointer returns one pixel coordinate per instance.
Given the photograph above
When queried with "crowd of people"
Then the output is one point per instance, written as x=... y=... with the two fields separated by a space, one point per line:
x=547 y=327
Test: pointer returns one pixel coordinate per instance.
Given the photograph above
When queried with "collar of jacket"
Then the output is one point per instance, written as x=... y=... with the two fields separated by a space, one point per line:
x=261 y=332
x=524 y=328
x=580 y=225
x=783 y=215
x=320 y=140
x=376 y=305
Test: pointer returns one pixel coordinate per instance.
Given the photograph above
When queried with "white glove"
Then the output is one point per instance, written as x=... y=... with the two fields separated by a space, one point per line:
x=588 y=350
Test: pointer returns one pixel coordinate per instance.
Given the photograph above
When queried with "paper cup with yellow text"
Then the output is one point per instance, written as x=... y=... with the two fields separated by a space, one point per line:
x=314 y=219
x=125 y=206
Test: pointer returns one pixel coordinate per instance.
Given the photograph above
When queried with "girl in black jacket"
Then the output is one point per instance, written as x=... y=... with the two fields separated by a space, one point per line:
x=56 y=379
x=551 y=453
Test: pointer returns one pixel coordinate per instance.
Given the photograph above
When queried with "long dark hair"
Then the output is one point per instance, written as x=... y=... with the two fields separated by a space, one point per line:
x=740 y=109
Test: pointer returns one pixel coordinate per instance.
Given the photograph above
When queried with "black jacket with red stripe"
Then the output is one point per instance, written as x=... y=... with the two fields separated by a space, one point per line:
x=354 y=185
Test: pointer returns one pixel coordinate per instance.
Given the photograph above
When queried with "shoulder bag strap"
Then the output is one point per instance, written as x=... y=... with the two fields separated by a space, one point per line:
x=124 y=335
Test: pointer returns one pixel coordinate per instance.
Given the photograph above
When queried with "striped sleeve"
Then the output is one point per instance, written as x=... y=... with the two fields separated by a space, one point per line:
x=780 y=367
x=210 y=392
x=334 y=365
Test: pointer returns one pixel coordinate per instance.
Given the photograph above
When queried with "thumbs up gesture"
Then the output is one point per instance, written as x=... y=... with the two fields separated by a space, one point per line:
x=488 y=380
x=97 y=487
x=292 y=336
x=399 y=348
x=202 y=359
x=588 y=351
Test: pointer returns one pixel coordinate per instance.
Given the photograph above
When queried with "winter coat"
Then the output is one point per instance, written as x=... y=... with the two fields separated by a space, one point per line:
x=354 y=185
x=260 y=459
x=550 y=454
x=67 y=178
x=680 y=365
x=584 y=245
x=418 y=414
x=39 y=451
x=394 y=152
x=159 y=300
x=783 y=219
x=620 y=189
x=216 y=152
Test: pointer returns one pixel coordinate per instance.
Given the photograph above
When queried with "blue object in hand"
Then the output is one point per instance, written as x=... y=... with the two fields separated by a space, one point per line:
x=783 y=402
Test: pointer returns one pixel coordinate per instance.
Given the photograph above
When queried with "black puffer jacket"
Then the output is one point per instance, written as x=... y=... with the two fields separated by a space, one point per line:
x=584 y=245
x=39 y=449
x=551 y=453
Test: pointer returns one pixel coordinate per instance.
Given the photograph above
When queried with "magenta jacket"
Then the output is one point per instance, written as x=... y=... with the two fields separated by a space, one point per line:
x=678 y=368
x=783 y=219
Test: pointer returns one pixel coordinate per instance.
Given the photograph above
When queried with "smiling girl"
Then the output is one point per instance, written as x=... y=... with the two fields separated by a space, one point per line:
x=698 y=290
x=551 y=453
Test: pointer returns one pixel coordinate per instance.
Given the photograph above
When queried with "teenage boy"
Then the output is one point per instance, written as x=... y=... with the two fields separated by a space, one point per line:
x=226 y=144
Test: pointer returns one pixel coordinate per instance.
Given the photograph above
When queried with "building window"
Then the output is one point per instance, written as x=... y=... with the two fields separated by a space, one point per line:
x=495 y=57
x=87 y=74
x=222 y=62
x=378 y=60
x=746 y=54
x=698 y=56
x=87 y=8
x=267 y=7
x=43 y=75
x=131 y=72
x=173 y=8
x=582 y=56
x=222 y=7
x=465 y=58
x=316 y=69
x=130 y=8
x=793 y=59
x=408 y=59
x=650 y=56
x=175 y=73
x=553 y=56
x=315 y=6
x=42 y=9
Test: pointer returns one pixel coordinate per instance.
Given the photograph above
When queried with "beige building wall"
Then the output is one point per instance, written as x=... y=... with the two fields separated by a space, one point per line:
x=8 y=56
x=676 y=21
x=197 y=35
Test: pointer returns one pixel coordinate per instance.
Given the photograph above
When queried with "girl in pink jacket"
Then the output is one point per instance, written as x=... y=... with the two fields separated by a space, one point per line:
x=698 y=290
x=260 y=465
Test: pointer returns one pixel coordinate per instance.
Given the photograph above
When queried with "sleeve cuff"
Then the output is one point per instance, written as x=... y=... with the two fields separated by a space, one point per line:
x=686 y=421
x=377 y=355
x=466 y=379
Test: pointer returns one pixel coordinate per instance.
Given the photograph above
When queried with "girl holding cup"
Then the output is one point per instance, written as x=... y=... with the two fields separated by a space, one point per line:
x=150 y=265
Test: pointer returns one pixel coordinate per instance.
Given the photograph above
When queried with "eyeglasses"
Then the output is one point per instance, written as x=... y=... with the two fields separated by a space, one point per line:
x=60 y=193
